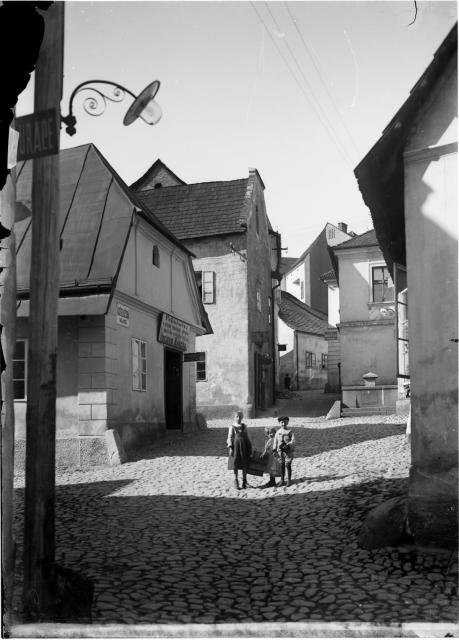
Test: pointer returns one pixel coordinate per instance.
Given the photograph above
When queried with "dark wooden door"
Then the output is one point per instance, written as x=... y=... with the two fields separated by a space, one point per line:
x=173 y=401
x=259 y=382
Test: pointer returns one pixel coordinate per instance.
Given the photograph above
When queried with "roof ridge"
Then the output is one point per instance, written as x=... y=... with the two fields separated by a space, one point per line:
x=194 y=184
x=354 y=239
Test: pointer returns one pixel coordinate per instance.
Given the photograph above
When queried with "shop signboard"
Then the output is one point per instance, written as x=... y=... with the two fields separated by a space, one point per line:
x=192 y=357
x=173 y=332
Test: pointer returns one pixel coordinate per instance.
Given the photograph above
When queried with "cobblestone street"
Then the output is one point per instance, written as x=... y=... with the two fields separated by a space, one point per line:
x=167 y=539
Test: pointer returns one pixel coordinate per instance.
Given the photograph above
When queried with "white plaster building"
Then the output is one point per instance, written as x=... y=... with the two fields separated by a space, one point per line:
x=129 y=308
x=409 y=182
x=366 y=324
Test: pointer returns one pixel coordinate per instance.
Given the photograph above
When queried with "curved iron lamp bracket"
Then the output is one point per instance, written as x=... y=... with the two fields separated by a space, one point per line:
x=95 y=103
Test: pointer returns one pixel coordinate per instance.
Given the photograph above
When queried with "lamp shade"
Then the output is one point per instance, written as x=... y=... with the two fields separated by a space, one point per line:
x=144 y=106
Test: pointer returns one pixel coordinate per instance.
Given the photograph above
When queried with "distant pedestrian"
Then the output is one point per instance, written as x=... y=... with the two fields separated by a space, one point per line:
x=240 y=449
x=287 y=381
x=283 y=448
x=268 y=456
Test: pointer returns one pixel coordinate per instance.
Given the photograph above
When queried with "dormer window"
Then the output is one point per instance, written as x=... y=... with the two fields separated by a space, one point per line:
x=155 y=258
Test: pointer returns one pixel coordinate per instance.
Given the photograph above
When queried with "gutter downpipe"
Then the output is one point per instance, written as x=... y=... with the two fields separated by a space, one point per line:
x=273 y=337
x=278 y=277
x=296 y=353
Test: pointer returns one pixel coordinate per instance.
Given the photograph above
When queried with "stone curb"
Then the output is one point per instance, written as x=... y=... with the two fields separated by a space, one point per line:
x=241 y=630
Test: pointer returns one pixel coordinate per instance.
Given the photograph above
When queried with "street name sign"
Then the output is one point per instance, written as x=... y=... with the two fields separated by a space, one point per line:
x=38 y=134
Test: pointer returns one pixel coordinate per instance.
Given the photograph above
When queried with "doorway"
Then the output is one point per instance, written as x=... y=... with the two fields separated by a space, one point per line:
x=259 y=382
x=173 y=389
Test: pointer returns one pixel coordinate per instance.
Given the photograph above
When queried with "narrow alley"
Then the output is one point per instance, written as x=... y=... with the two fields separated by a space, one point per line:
x=167 y=539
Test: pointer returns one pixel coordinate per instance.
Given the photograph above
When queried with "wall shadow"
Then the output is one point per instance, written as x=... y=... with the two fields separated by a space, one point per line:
x=309 y=441
x=183 y=558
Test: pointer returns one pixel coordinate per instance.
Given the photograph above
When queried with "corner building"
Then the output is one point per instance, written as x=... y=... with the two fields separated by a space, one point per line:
x=224 y=224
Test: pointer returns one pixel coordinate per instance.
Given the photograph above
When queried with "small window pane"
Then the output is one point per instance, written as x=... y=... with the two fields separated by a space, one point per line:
x=19 y=350
x=201 y=367
x=19 y=389
x=18 y=369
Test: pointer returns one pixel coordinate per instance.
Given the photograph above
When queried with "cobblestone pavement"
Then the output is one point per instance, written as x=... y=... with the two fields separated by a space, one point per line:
x=167 y=539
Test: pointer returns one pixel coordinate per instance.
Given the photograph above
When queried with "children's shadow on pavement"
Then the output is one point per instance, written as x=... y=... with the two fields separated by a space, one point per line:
x=309 y=479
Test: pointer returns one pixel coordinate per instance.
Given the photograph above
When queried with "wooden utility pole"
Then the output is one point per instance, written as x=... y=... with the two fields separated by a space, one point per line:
x=8 y=322
x=39 y=536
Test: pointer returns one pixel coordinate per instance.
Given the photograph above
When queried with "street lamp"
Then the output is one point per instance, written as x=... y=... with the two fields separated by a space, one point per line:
x=144 y=105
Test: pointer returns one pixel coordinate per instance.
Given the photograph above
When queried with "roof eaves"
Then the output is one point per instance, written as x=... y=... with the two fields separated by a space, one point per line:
x=380 y=173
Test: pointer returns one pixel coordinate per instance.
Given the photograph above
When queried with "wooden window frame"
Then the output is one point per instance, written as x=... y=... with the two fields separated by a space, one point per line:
x=381 y=283
x=206 y=282
x=139 y=364
x=26 y=363
x=201 y=367
x=401 y=321
x=310 y=359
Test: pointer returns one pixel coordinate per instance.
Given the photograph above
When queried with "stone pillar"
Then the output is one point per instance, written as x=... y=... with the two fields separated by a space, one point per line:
x=97 y=365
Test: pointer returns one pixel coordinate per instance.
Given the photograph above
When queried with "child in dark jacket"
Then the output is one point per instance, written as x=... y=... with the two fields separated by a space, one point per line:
x=283 y=448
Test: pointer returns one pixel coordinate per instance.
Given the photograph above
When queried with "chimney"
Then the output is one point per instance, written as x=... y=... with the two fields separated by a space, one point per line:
x=342 y=226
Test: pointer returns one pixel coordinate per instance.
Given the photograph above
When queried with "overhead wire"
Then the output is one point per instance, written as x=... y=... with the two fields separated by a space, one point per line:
x=323 y=115
x=318 y=114
x=319 y=106
x=319 y=73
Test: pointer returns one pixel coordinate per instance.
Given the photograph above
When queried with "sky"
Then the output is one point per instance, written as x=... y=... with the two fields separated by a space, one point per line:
x=298 y=90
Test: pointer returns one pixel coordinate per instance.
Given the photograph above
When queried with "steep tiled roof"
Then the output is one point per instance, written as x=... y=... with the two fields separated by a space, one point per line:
x=300 y=316
x=201 y=209
x=367 y=239
x=95 y=214
x=157 y=166
x=286 y=264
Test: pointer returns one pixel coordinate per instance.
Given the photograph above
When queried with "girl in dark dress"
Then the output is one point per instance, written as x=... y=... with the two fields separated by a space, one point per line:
x=240 y=449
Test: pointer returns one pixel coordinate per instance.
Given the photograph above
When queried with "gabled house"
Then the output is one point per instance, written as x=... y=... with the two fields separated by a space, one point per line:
x=366 y=324
x=236 y=257
x=302 y=330
x=409 y=182
x=302 y=279
x=129 y=309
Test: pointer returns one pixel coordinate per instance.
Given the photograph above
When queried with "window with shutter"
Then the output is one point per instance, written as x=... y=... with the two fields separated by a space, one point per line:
x=139 y=365
x=401 y=315
x=208 y=287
